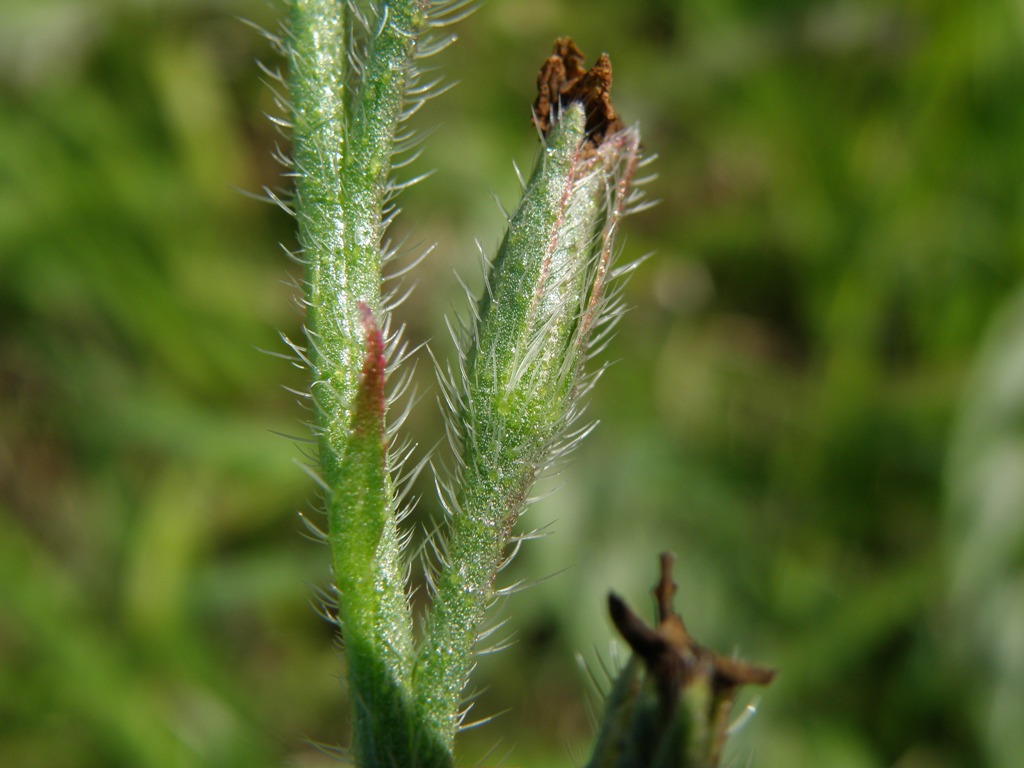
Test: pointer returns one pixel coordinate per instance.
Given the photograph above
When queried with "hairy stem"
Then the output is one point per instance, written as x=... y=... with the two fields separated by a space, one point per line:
x=349 y=76
x=518 y=396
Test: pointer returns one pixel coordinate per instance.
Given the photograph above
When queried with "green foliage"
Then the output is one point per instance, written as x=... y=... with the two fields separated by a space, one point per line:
x=522 y=364
x=342 y=129
x=522 y=378
x=838 y=225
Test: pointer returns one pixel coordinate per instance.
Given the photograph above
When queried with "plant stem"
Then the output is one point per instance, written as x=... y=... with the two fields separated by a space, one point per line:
x=348 y=87
x=522 y=365
x=519 y=393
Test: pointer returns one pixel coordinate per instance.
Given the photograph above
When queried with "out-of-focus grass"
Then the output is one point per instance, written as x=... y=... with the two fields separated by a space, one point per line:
x=840 y=222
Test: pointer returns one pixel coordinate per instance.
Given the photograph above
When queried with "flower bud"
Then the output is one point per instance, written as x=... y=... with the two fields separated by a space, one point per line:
x=517 y=398
x=674 y=713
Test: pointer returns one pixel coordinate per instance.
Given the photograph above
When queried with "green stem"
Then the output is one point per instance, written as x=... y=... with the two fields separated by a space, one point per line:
x=352 y=64
x=521 y=385
x=343 y=141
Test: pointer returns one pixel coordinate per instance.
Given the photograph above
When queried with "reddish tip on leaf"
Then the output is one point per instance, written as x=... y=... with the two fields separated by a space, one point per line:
x=370 y=399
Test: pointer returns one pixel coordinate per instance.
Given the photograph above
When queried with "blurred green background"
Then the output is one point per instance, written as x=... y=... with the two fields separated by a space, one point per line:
x=817 y=401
